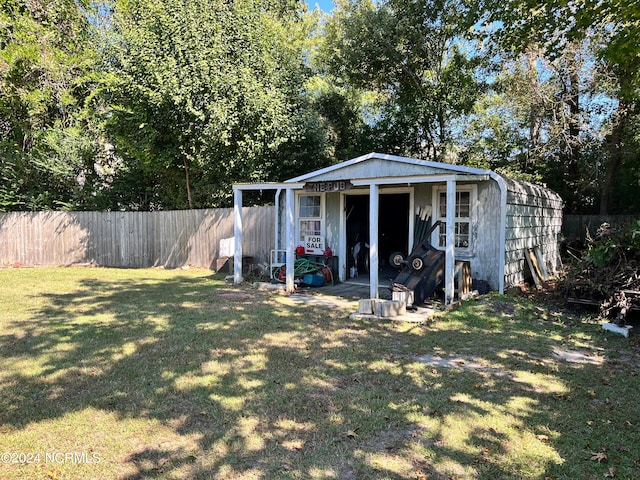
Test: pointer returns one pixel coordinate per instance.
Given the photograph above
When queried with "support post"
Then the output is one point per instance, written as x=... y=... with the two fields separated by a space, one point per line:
x=374 y=210
x=412 y=221
x=343 y=274
x=290 y=240
x=450 y=252
x=237 y=236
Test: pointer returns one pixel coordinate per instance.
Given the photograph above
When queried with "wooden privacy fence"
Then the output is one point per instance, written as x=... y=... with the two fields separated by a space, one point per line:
x=575 y=226
x=131 y=239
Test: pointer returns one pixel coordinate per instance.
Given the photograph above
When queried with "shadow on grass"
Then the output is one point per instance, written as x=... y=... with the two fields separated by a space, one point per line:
x=246 y=386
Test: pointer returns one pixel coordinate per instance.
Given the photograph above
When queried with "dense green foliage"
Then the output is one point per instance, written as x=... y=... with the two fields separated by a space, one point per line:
x=410 y=55
x=47 y=147
x=600 y=37
x=160 y=104
x=208 y=95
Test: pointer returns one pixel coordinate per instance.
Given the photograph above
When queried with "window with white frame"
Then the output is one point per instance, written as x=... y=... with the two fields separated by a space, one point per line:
x=309 y=216
x=463 y=217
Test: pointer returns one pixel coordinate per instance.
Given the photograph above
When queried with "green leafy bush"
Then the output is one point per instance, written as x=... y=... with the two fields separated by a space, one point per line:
x=610 y=246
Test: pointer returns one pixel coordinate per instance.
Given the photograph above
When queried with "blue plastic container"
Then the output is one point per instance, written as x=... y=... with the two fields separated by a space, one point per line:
x=313 y=280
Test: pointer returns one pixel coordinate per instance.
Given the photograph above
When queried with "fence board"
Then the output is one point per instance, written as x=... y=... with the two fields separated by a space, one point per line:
x=575 y=226
x=131 y=239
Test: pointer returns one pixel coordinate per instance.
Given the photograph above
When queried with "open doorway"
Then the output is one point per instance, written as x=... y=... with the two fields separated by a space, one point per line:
x=393 y=231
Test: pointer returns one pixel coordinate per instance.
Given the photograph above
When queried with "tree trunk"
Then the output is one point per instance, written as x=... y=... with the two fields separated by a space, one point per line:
x=615 y=157
x=188 y=182
x=573 y=140
x=535 y=118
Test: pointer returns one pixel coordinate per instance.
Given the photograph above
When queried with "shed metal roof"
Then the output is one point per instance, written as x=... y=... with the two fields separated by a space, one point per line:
x=378 y=165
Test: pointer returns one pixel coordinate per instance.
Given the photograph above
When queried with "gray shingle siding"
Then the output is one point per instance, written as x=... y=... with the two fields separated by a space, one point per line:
x=533 y=219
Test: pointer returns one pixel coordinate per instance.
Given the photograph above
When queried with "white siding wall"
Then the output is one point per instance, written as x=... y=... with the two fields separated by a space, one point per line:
x=485 y=229
x=485 y=262
x=423 y=195
x=379 y=168
x=282 y=222
x=332 y=208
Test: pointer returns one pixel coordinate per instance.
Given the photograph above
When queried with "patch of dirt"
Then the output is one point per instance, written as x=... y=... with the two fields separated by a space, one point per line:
x=576 y=356
x=320 y=300
x=505 y=308
x=464 y=362
x=461 y=362
x=393 y=441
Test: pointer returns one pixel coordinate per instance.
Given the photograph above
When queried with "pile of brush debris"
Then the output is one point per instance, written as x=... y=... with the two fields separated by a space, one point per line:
x=606 y=272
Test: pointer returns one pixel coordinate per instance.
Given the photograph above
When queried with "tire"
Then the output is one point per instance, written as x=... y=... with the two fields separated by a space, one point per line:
x=416 y=263
x=396 y=259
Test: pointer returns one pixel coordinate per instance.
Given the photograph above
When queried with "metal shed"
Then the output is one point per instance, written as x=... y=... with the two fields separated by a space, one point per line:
x=496 y=224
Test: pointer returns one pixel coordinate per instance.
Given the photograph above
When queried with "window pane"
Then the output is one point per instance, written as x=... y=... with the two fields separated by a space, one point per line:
x=462 y=234
x=461 y=238
x=309 y=206
x=310 y=227
x=309 y=200
x=443 y=204
x=463 y=204
x=442 y=237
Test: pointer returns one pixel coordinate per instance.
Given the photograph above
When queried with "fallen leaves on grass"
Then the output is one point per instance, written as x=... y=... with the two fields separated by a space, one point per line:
x=599 y=457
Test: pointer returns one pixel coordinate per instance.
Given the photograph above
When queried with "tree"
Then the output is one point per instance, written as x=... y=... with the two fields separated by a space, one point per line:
x=210 y=94
x=614 y=27
x=412 y=54
x=46 y=67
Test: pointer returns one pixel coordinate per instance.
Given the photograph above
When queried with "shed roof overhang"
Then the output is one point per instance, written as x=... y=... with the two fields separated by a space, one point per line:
x=413 y=164
x=415 y=179
x=395 y=180
x=267 y=186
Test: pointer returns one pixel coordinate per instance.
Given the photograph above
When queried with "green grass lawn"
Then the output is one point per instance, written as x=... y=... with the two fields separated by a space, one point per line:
x=154 y=373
